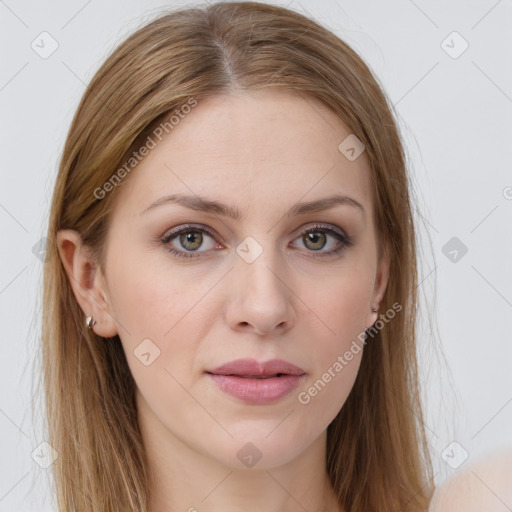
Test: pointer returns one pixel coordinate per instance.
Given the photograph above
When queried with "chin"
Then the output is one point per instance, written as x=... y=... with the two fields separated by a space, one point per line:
x=260 y=449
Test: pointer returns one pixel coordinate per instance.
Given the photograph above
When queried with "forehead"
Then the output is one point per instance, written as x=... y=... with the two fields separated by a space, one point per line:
x=249 y=148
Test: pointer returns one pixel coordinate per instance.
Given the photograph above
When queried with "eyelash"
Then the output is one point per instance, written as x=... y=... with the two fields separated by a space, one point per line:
x=345 y=241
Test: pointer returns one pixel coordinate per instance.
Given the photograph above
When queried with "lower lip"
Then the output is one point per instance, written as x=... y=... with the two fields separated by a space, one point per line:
x=257 y=391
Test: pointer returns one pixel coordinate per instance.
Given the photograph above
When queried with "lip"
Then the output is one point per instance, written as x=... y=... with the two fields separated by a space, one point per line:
x=257 y=382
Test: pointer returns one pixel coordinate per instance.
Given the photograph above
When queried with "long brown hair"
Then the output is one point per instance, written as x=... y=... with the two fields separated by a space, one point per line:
x=377 y=451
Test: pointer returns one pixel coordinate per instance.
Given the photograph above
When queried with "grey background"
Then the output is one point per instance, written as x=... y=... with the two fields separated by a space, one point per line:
x=455 y=115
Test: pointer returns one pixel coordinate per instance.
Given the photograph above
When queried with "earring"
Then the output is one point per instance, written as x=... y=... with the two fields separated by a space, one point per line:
x=374 y=310
x=89 y=322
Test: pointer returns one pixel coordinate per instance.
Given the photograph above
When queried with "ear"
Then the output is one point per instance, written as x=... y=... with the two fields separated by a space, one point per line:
x=380 y=285
x=87 y=281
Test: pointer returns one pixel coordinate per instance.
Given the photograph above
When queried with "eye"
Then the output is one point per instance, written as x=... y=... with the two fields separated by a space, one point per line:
x=314 y=238
x=190 y=238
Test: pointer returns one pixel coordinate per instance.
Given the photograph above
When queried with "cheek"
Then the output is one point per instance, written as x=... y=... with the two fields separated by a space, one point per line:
x=151 y=299
x=166 y=311
x=326 y=391
x=342 y=304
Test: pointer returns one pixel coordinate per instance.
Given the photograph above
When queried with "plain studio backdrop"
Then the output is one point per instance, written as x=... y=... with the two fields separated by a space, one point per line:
x=447 y=69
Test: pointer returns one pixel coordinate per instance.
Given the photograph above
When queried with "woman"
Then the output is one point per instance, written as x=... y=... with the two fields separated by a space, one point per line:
x=230 y=321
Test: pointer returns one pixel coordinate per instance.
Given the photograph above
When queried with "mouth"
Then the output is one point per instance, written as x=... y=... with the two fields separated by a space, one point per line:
x=257 y=383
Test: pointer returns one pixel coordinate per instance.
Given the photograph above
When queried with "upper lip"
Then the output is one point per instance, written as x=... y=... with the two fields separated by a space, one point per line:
x=252 y=367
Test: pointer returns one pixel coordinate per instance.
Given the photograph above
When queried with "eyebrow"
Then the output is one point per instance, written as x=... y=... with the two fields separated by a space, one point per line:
x=210 y=206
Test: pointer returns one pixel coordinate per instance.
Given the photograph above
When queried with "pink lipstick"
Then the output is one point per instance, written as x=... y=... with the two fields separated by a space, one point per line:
x=257 y=382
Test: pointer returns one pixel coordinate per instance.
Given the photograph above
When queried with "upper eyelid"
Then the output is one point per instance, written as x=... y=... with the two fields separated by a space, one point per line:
x=211 y=232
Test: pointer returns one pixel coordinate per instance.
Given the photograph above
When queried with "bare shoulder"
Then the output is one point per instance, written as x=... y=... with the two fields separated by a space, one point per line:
x=485 y=485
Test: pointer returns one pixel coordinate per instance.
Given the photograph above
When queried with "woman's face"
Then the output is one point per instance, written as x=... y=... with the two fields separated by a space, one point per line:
x=253 y=286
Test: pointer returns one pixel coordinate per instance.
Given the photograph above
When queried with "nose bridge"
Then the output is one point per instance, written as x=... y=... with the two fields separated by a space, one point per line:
x=258 y=264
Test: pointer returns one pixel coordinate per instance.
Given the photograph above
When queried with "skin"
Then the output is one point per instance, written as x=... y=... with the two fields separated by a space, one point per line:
x=261 y=152
x=485 y=485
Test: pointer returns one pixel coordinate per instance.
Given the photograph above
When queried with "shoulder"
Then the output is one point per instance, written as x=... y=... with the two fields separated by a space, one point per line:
x=485 y=485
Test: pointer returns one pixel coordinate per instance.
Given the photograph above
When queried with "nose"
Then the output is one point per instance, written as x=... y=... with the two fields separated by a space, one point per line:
x=261 y=297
